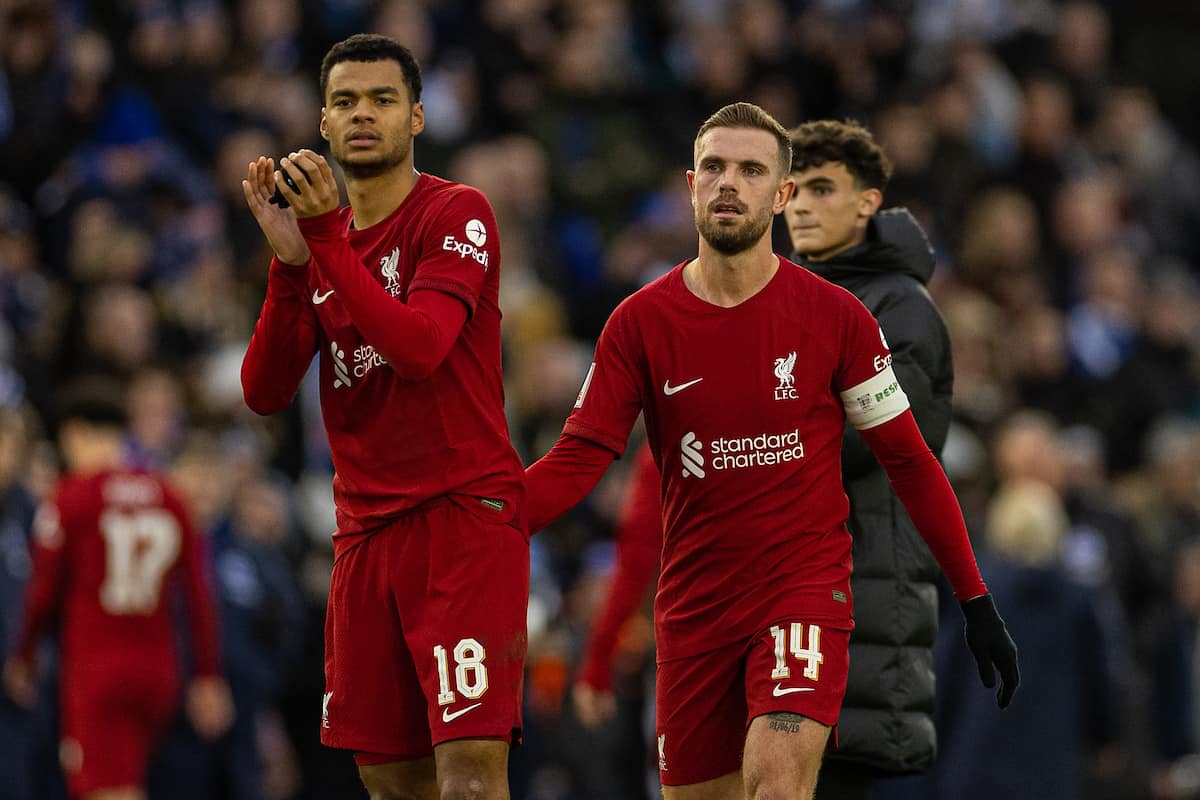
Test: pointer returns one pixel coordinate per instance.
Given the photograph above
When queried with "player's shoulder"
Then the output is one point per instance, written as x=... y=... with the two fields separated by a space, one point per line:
x=817 y=291
x=655 y=295
x=646 y=308
x=797 y=277
x=82 y=497
x=443 y=193
x=73 y=491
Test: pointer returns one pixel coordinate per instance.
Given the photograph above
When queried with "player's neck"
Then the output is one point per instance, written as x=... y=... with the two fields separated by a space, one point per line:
x=728 y=280
x=373 y=199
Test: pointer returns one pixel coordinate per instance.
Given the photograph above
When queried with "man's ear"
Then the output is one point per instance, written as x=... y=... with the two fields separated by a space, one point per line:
x=786 y=189
x=869 y=202
x=324 y=125
x=418 y=118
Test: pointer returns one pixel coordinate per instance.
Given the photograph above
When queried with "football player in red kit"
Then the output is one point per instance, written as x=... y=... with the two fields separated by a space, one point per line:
x=110 y=547
x=397 y=294
x=746 y=367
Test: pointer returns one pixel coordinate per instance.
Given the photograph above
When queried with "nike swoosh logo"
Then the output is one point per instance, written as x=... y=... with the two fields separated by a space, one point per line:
x=669 y=390
x=779 y=691
x=448 y=717
x=319 y=298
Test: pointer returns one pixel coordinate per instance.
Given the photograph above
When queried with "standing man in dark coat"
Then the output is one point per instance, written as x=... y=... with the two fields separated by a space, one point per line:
x=884 y=259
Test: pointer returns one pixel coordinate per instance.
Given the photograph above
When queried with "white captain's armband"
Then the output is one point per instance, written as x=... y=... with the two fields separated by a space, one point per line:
x=875 y=400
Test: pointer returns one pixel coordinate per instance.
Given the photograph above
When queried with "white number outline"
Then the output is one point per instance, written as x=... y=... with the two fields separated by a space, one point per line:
x=470 y=673
x=810 y=655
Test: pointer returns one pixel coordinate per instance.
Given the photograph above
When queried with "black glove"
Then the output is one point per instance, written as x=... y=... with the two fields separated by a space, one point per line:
x=993 y=648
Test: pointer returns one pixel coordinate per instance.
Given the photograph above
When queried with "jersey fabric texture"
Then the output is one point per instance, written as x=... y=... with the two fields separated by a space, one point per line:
x=887 y=726
x=110 y=552
x=460 y=642
x=744 y=412
x=396 y=442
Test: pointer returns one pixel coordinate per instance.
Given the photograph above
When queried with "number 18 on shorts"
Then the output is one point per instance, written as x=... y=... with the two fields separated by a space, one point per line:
x=416 y=653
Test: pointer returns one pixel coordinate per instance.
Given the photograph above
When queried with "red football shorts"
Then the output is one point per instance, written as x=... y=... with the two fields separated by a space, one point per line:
x=425 y=632
x=113 y=718
x=705 y=703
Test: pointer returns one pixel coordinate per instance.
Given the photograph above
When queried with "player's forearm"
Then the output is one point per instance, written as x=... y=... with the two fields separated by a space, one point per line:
x=561 y=479
x=922 y=486
x=284 y=341
x=415 y=337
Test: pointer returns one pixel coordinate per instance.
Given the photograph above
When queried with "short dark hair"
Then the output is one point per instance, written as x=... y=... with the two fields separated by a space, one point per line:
x=748 y=115
x=373 y=47
x=97 y=400
x=825 y=140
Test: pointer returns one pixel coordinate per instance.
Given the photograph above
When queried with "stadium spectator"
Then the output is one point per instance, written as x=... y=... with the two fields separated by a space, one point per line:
x=28 y=735
x=1070 y=722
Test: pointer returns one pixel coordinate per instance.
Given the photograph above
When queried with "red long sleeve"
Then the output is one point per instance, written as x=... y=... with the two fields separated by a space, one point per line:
x=284 y=340
x=639 y=545
x=43 y=593
x=413 y=337
x=202 y=614
x=559 y=480
x=923 y=488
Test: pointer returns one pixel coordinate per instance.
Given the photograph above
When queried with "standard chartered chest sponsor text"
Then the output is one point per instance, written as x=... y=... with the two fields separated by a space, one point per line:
x=763 y=450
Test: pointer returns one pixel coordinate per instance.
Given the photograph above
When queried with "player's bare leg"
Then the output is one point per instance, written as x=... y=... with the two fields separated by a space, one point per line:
x=400 y=780
x=783 y=756
x=726 y=787
x=117 y=793
x=472 y=769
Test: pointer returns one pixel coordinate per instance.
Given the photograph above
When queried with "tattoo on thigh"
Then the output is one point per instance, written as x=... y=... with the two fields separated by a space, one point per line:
x=785 y=721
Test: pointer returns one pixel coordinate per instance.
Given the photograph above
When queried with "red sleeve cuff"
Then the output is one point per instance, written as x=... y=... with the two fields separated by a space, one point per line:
x=323 y=226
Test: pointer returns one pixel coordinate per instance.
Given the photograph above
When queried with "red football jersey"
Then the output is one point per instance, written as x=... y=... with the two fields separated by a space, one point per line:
x=745 y=409
x=109 y=551
x=397 y=443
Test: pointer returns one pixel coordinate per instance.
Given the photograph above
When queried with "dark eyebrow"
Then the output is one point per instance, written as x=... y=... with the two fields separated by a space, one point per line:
x=820 y=181
x=374 y=91
x=718 y=160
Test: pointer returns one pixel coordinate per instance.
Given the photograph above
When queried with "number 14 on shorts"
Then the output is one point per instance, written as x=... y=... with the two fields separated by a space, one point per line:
x=790 y=640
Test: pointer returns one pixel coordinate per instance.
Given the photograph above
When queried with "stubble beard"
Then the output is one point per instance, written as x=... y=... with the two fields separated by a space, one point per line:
x=730 y=240
x=363 y=170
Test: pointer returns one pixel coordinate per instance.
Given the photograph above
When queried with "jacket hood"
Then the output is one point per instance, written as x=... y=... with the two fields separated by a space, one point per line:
x=895 y=243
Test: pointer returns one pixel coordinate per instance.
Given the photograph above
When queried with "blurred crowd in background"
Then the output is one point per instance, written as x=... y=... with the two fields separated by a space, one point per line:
x=1048 y=148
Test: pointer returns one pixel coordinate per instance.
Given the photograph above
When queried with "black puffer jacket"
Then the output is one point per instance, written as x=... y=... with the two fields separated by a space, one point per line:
x=885 y=722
